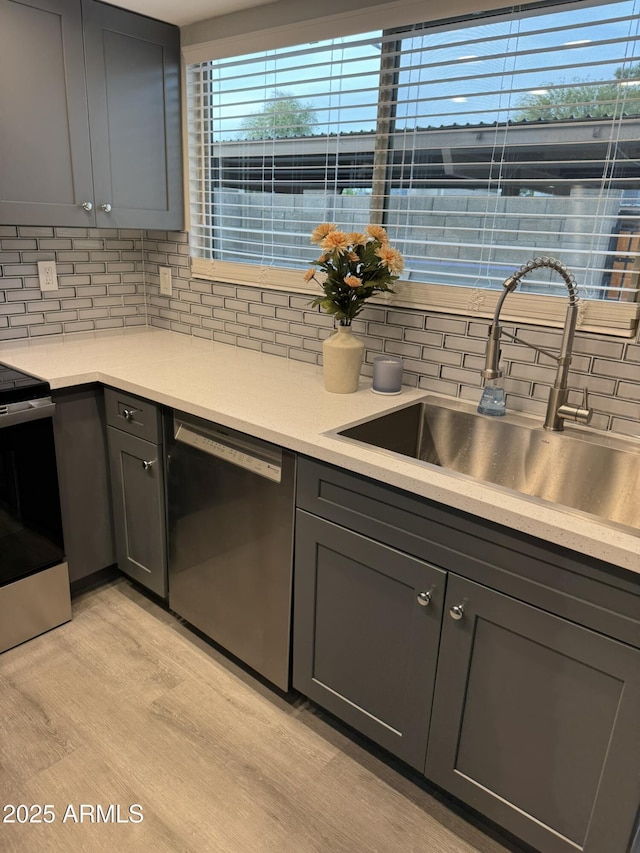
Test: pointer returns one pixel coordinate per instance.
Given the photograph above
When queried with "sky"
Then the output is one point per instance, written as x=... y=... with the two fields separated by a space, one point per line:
x=447 y=75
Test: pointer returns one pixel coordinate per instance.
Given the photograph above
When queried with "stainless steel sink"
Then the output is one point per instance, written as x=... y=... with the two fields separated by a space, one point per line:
x=593 y=473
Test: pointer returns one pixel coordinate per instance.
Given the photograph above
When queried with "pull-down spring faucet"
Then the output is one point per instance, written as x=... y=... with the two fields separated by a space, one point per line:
x=557 y=408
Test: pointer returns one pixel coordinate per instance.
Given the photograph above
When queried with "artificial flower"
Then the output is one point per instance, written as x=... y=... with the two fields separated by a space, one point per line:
x=355 y=266
x=378 y=233
x=352 y=281
x=356 y=238
x=391 y=258
x=335 y=241
x=320 y=232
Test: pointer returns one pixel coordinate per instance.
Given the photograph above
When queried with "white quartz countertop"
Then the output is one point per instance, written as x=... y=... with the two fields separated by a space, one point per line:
x=284 y=401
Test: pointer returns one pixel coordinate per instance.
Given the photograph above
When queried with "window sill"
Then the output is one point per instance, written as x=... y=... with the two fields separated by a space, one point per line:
x=619 y=319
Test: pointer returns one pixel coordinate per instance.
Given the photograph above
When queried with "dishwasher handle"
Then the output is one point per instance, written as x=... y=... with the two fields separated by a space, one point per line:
x=253 y=455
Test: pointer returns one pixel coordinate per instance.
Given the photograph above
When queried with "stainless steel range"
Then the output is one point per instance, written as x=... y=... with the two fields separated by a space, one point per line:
x=34 y=581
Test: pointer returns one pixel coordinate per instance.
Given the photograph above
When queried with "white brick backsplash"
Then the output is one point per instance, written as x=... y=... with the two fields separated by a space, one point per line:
x=393 y=332
x=534 y=372
x=405 y=318
x=626 y=427
x=442 y=354
x=605 y=349
x=431 y=339
x=90 y=267
x=274 y=349
x=438 y=386
x=422 y=368
x=442 y=324
x=271 y=298
x=109 y=278
x=617 y=368
x=275 y=325
x=12 y=308
x=615 y=406
x=473 y=362
x=631 y=392
x=405 y=350
x=35 y=231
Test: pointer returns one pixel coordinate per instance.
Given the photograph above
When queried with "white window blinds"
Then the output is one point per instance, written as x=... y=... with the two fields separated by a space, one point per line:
x=477 y=143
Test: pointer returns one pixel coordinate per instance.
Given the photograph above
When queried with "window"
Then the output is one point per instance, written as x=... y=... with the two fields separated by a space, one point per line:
x=478 y=144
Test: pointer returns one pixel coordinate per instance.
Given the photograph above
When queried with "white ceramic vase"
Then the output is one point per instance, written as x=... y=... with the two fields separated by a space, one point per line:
x=342 y=356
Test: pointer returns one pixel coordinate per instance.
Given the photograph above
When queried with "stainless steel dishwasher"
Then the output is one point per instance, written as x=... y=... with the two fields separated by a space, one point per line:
x=230 y=520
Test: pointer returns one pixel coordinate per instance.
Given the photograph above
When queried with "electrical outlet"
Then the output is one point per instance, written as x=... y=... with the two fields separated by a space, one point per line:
x=165 y=281
x=47 y=274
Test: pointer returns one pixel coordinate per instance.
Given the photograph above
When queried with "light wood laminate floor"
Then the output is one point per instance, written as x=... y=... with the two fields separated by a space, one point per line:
x=125 y=705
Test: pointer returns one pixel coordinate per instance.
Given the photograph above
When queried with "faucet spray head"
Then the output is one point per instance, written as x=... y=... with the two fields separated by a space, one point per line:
x=492 y=356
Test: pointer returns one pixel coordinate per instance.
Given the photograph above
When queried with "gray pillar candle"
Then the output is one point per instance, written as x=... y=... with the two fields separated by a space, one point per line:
x=387 y=374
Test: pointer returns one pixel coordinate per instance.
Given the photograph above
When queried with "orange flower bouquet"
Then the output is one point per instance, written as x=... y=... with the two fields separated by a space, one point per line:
x=355 y=266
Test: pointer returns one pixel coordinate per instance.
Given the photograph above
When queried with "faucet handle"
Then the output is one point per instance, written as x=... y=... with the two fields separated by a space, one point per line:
x=579 y=414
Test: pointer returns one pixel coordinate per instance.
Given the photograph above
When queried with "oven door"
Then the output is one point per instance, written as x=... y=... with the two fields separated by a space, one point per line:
x=30 y=521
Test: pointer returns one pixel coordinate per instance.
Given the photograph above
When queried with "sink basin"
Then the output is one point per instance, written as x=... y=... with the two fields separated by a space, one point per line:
x=593 y=473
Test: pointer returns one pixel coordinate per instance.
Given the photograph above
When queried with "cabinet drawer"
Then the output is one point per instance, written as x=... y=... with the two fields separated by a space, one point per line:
x=133 y=414
x=579 y=588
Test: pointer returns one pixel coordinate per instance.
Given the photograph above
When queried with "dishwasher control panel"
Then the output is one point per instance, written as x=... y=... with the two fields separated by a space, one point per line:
x=270 y=469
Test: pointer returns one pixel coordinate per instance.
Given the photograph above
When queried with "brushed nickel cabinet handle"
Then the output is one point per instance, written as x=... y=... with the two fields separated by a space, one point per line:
x=457 y=612
x=87 y=205
x=424 y=598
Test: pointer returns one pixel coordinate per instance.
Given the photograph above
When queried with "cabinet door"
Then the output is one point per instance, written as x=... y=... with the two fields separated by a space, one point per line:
x=45 y=166
x=133 y=81
x=137 y=485
x=83 y=473
x=364 y=647
x=535 y=723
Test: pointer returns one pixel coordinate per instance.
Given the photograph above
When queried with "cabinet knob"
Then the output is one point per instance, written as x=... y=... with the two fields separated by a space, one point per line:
x=146 y=464
x=127 y=414
x=457 y=612
x=423 y=598
x=106 y=207
x=87 y=205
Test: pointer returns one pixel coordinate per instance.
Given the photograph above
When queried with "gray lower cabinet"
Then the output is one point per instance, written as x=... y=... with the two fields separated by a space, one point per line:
x=366 y=628
x=137 y=488
x=83 y=474
x=90 y=105
x=535 y=718
x=536 y=722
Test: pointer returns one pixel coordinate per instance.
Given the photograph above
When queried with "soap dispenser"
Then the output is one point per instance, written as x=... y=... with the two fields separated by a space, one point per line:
x=492 y=400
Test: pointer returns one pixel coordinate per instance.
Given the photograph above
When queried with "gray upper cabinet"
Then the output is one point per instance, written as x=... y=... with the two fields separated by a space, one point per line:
x=90 y=105
x=535 y=722
x=45 y=157
x=133 y=85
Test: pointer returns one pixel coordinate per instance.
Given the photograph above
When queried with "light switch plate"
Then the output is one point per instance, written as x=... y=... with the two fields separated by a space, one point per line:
x=165 y=281
x=48 y=275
